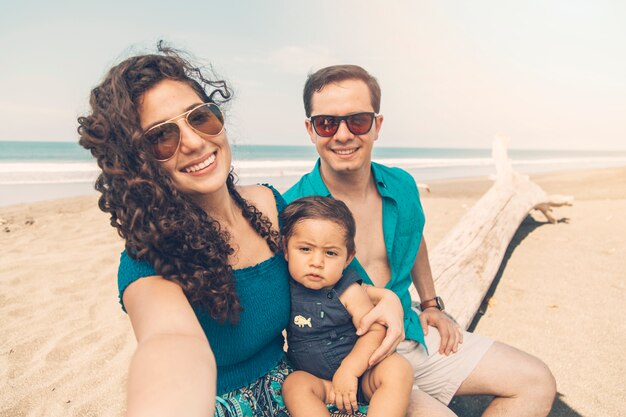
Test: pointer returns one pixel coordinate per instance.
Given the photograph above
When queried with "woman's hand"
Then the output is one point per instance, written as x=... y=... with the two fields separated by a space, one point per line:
x=388 y=312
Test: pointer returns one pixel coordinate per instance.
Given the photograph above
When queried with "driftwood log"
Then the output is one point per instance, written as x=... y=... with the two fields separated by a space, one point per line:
x=466 y=261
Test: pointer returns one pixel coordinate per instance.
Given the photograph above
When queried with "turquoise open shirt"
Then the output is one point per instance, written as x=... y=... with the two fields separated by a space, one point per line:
x=403 y=225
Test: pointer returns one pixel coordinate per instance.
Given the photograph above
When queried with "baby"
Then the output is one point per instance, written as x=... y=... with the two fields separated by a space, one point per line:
x=327 y=303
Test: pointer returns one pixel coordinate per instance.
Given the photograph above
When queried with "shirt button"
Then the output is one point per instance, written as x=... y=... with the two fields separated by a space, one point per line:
x=329 y=295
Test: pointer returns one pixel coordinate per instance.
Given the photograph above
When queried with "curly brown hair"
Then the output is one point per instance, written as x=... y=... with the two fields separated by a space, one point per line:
x=160 y=224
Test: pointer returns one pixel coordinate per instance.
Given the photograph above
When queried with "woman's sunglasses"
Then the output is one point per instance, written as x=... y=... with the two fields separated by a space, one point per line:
x=358 y=123
x=206 y=119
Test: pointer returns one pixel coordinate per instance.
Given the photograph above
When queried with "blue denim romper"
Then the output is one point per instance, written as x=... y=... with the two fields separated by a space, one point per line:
x=320 y=332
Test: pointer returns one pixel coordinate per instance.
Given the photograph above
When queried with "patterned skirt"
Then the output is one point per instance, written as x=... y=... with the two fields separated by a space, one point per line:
x=263 y=398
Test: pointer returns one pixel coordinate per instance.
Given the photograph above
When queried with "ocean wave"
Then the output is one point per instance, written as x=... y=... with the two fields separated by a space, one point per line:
x=47 y=167
x=12 y=173
x=85 y=172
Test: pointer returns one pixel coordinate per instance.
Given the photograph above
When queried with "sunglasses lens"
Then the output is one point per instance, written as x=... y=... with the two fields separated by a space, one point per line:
x=360 y=123
x=207 y=119
x=164 y=140
x=325 y=126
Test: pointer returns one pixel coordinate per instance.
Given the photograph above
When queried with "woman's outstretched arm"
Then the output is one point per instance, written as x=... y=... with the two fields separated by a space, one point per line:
x=172 y=372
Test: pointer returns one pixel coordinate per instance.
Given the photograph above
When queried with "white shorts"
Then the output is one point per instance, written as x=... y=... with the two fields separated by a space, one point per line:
x=438 y=375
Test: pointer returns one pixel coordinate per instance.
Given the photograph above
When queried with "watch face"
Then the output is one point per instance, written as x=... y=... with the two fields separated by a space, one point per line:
x=440 y=304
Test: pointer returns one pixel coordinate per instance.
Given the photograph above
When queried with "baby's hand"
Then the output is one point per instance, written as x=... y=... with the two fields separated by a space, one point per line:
x=344 y=390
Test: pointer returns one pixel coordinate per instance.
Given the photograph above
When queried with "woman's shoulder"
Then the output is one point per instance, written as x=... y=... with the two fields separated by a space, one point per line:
x=258 y=191
x=130 y=270
x=263 y=196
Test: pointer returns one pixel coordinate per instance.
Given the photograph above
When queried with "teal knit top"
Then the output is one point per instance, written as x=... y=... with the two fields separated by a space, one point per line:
x=254 y=346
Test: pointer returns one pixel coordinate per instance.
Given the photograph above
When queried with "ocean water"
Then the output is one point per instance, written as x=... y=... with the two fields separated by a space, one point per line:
x=33 y=171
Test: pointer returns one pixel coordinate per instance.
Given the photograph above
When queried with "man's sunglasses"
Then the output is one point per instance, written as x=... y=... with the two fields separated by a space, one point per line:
x=206 y=119
x=358 y=123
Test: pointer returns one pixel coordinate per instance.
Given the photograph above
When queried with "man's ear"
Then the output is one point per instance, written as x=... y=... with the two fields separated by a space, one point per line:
x=378 y=123
x=310 y=130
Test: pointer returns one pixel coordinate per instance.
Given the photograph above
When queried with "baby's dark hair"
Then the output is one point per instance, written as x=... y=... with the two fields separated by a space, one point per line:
x=322 y=208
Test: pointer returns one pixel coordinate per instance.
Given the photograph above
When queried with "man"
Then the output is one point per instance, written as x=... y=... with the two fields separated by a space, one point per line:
x=342 y=105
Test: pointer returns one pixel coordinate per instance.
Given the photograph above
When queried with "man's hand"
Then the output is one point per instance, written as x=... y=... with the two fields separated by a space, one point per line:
x=450 y=332
x=343 y=394
x=388 y=312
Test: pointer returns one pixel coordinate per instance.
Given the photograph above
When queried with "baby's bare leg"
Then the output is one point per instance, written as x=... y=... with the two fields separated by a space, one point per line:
x=306 y=394
x=388 y=386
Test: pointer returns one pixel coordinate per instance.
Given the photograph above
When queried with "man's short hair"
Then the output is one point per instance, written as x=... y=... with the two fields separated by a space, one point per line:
x=319 y=208
x=318 y=80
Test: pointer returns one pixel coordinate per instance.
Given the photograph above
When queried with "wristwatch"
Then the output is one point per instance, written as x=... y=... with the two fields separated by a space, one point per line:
x=436 y=302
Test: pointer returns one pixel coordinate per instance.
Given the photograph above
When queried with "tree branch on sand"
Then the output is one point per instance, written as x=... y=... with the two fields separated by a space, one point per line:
x=466 y=261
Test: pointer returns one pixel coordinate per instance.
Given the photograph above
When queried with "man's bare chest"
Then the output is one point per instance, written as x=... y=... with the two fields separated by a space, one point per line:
x=370 y=242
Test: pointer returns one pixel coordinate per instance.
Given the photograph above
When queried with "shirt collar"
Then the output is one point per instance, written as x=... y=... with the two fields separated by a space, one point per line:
x=379 y=178
x=317 y=182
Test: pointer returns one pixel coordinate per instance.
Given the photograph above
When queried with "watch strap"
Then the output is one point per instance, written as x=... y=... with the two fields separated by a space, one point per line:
x=436 y=302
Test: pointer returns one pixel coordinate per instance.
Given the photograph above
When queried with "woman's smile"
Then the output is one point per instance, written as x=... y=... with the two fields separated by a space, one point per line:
x=201 y=167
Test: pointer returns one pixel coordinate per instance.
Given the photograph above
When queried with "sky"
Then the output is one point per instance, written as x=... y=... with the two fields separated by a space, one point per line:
x=547 y=74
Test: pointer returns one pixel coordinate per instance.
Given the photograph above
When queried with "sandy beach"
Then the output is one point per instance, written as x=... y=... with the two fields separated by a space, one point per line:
x=66 y=344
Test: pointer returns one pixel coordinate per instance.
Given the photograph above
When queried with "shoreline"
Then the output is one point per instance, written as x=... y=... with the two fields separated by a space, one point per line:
x=28 y=185
x=66 y=342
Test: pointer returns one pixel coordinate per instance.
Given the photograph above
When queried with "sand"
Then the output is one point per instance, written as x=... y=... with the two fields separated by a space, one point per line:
x=65 y=343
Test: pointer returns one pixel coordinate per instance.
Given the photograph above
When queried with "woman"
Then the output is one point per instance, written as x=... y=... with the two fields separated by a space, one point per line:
x=201 y=278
